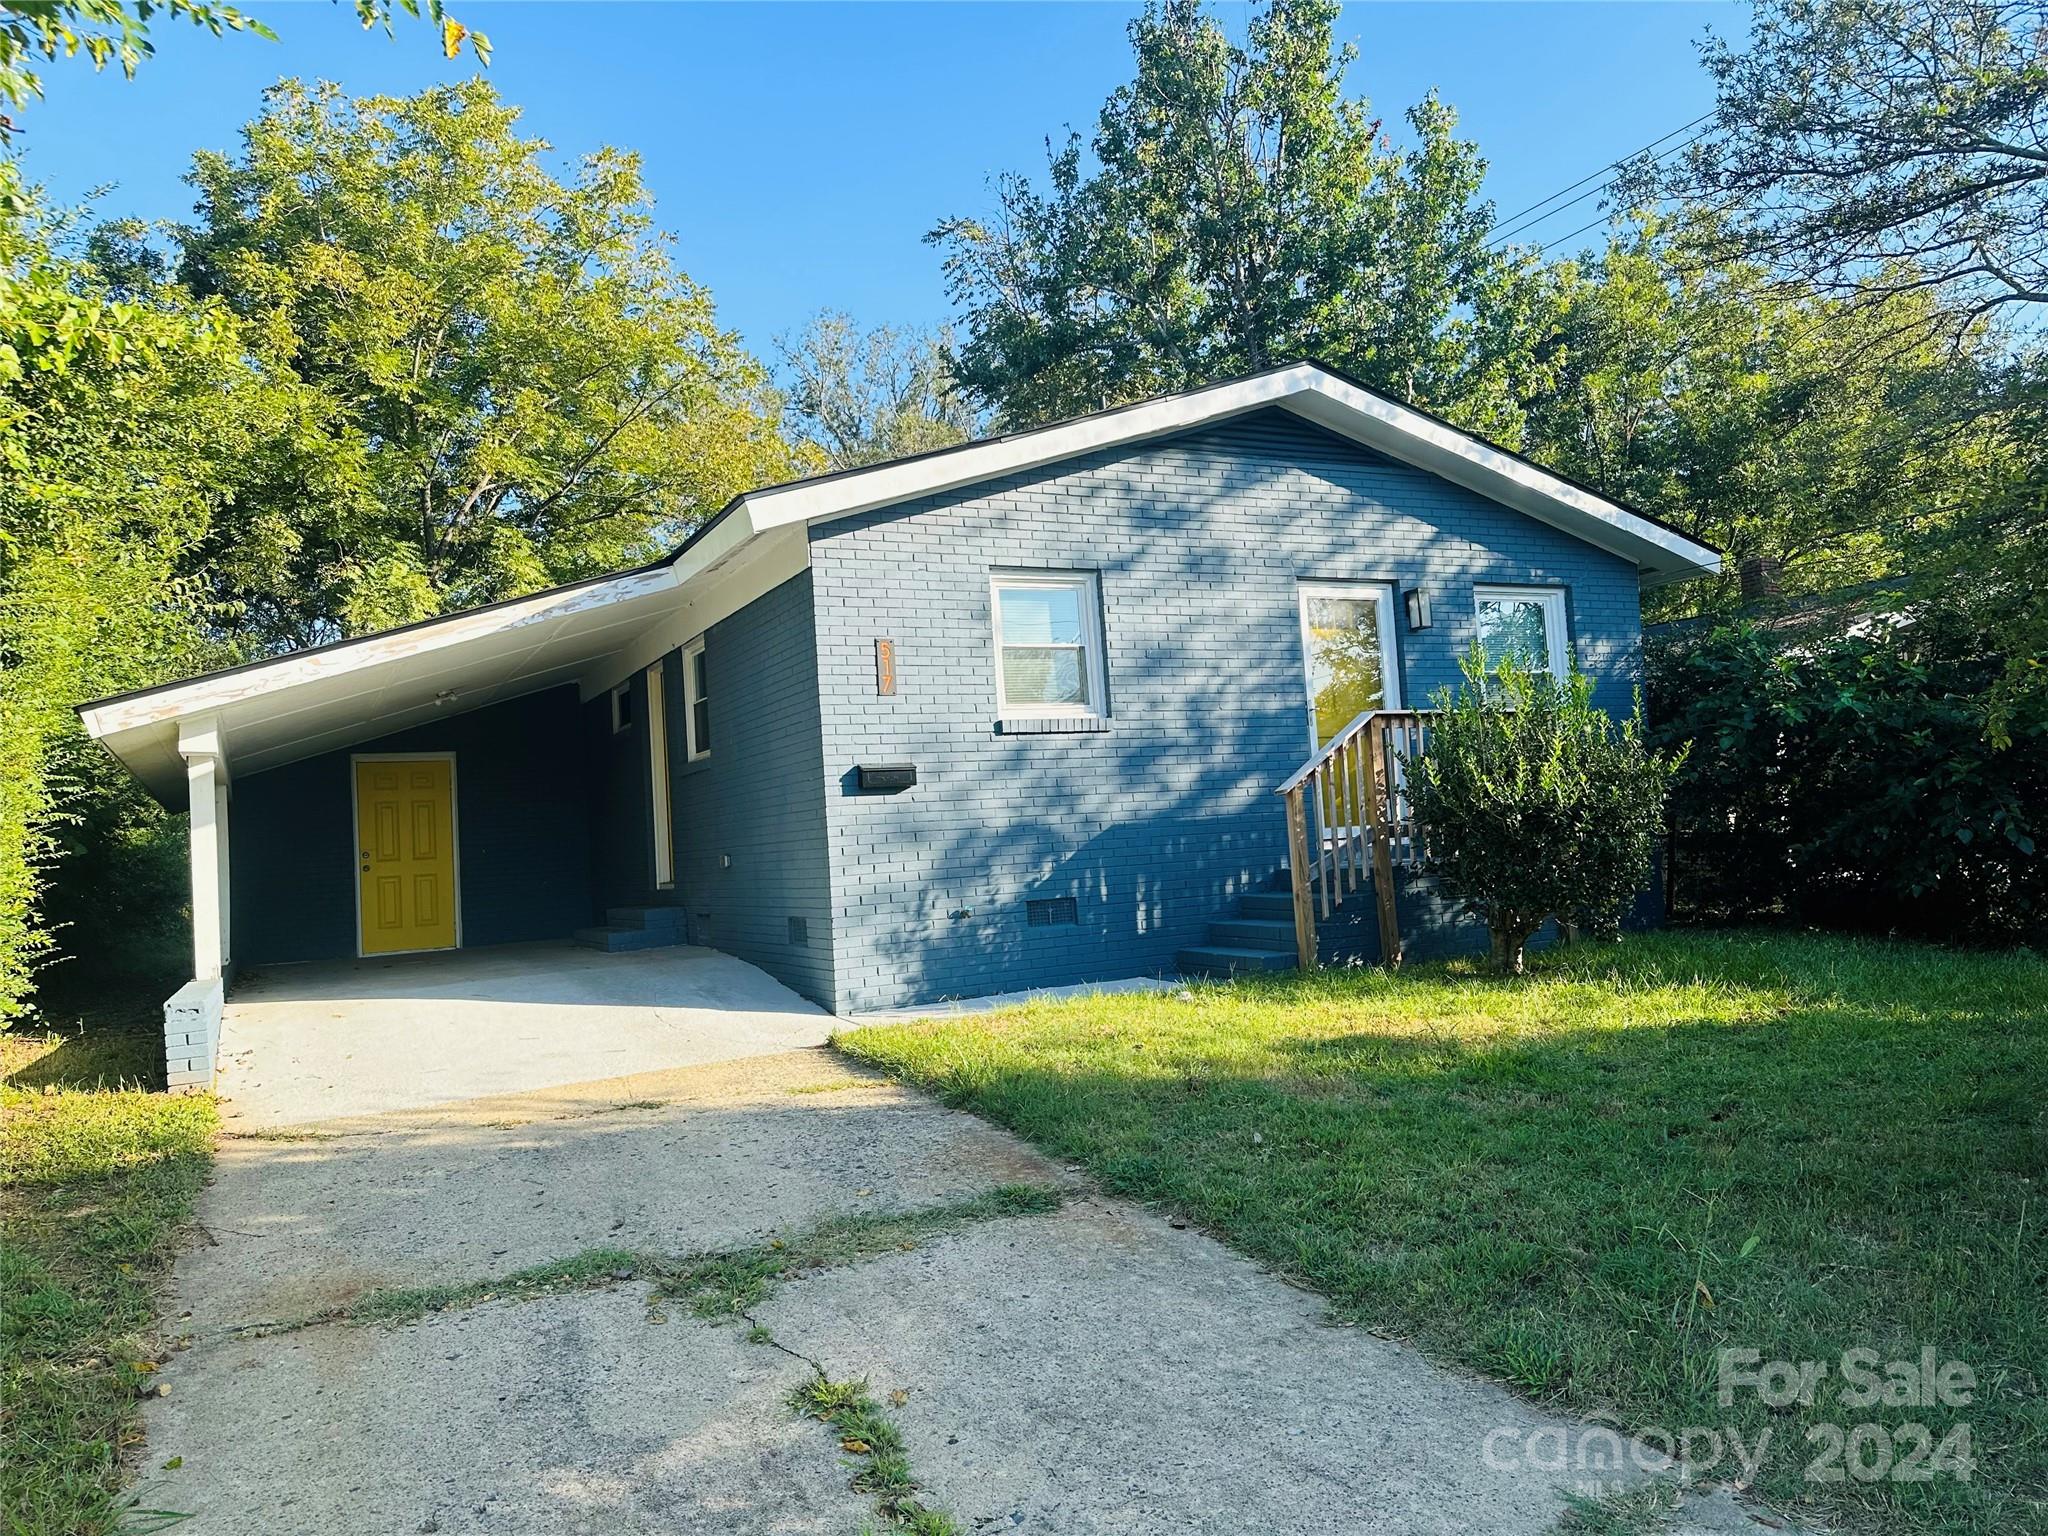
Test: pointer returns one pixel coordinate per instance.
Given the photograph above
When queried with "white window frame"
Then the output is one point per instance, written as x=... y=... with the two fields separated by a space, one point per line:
x=694 y=750
x=1089 y=586
x=622 y=699
x=657 y=777
x=1556 y=633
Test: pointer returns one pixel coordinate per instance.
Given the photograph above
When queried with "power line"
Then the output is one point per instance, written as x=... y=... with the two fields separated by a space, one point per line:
x=1502 y=235
x=1612 y=165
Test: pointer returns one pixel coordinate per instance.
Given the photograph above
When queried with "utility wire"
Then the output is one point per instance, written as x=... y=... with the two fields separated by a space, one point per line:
x=1604 y=170
x=1503 y=235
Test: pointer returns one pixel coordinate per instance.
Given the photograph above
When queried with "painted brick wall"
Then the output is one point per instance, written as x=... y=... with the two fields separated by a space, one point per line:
x=522 y=835
x=750 y=818
x=1156 y=824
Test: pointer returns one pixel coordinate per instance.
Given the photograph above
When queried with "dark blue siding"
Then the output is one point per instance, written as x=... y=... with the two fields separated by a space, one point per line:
x=522 y=835
x=622 y=796
x=1154 y=825
x=750 y=818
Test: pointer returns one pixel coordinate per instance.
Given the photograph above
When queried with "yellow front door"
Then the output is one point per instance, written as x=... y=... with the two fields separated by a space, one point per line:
x=405 y=824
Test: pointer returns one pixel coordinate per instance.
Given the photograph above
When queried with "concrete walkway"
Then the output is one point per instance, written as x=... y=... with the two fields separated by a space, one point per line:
x=1092 y=1370
x=310 y=1042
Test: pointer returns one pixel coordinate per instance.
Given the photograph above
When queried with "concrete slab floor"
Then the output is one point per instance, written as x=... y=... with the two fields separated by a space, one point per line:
x=311 y=1042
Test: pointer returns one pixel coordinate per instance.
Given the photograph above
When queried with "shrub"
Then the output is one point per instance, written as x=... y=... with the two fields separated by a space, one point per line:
x=1846 y=777
x=1535 y=804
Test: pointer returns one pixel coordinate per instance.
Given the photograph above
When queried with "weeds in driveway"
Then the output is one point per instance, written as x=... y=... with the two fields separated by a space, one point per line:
x=731 y=1284
x=97 y=1176
x=725 y=1284
x=1640 y=1511
x=869 y=1434
x=1590 y=1181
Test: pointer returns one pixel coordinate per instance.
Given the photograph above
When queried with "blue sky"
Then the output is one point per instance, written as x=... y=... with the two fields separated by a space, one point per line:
x=800 y=151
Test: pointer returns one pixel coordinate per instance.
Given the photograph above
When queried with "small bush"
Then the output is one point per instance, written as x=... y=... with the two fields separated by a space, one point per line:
x=1535 y=804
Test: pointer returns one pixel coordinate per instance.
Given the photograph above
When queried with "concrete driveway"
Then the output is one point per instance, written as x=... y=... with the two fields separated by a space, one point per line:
x=317 y=1041
x=453 y=1318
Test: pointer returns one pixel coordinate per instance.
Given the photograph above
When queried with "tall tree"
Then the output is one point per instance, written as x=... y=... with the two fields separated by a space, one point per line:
x=1873 y=147
x=122 y=426
x=858 y=397
x=504 y=380
x=1761 y=416
x=1236 y=209
x=1884 y=150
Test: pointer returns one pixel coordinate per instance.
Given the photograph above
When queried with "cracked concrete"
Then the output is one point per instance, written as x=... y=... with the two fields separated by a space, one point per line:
x=1090 y=1371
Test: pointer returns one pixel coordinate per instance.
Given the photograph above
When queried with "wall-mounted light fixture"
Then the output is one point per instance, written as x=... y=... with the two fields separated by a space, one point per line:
x=1417 y=601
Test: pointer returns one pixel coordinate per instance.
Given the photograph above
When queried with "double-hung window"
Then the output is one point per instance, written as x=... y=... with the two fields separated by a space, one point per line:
x=1526 y=623
x=1048 y=628
x=696 y=705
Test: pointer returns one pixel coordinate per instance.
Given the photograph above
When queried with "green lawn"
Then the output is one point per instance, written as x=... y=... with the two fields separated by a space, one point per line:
x=1588 y=1181
x=97 y=1175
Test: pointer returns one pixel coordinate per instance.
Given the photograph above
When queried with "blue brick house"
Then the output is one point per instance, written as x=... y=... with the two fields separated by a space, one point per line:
x=1003 y=716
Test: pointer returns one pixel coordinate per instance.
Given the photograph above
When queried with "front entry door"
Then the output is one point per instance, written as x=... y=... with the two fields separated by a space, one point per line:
x=1347 y=643
x=405 y=835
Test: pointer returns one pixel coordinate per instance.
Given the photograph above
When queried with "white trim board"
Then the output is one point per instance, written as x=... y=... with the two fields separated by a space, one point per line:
x=599 y=632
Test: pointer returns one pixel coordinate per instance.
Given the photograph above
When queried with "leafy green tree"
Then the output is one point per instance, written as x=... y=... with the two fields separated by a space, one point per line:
x=122 y=426
x=1893 y=154
x=117 y=32
x=502 y=379
x=1759 y=415
x=1236 y=209
x=858 y=397
x=1876 y=147
x=1536 y=805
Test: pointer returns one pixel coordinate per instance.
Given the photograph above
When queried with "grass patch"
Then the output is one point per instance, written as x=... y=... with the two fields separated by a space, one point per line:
x=590 y=1269
x=716 y=1285
x=869 y=1434
x=1588 y=1181
x=1642 y=1511
x=730 y=1284
x=97 y=1177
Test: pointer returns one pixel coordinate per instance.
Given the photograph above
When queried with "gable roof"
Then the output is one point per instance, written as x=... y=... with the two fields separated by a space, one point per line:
x=599 y=631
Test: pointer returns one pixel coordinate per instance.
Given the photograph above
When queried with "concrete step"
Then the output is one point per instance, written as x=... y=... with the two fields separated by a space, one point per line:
x=1252 y=933
x=614 y=939
x=1275 y=905
x=668 y=919
x=1225 y=960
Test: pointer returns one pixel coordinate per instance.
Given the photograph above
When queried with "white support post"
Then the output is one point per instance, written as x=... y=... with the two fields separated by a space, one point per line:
x=192 y=1015
x=206 y=781
x=209 y=880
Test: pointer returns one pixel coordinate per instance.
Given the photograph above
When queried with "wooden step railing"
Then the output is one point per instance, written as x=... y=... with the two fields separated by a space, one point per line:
x=1350 y=804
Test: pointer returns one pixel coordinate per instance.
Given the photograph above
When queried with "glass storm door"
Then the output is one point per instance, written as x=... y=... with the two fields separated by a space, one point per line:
x=1347 y=642
x=1347 y=646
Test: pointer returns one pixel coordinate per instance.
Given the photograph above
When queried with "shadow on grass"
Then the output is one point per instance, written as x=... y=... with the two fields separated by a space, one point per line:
x=123 y=1057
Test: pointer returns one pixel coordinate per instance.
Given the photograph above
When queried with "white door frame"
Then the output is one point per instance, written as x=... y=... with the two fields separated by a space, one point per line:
x=355 y=827
x=1390 y=660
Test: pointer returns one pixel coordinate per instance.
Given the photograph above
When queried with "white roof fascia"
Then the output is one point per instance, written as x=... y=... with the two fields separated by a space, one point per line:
x=1310 y=392
x=221 y=688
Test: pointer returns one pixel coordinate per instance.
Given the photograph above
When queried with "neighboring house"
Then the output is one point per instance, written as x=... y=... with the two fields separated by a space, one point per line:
x=1007 y=715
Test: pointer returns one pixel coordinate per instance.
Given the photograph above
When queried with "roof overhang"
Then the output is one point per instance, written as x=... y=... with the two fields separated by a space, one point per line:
x=1309 y=390
x=596 y=633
